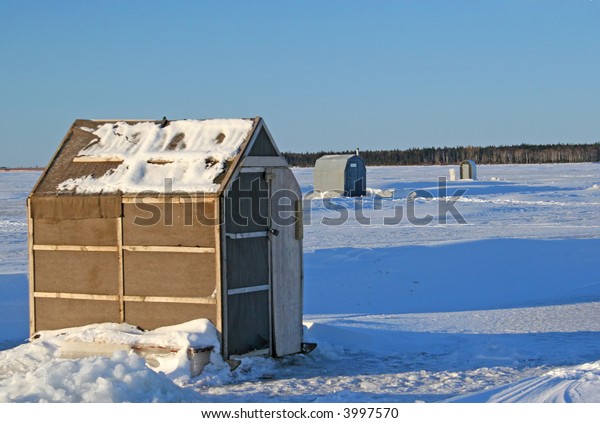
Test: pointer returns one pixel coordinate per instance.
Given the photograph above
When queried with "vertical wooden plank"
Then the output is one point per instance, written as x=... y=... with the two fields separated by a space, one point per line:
x=31 y=269
x=218 y=274
x=222 y=298
x=121 y=269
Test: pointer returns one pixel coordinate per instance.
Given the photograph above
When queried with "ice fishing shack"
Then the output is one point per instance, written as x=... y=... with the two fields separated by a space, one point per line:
x=468 y=169
x=343 y=174
x=156 y=223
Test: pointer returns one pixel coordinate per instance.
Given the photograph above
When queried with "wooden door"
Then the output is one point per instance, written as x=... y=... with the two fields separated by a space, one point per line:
x=286 y=261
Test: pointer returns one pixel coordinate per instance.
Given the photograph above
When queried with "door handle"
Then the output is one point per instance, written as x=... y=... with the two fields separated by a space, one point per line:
x=274 y=231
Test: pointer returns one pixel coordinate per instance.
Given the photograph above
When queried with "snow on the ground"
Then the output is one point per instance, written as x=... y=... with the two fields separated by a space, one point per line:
x=566 y=384
x=487 y=274
x=524 y=201
x=14 y=310
x=505 y=307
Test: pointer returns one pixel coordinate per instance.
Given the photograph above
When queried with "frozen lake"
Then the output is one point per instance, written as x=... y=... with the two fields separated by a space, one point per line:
x=402 y=312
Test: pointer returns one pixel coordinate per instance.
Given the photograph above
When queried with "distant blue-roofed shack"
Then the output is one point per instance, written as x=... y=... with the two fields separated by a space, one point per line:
x=344 y=174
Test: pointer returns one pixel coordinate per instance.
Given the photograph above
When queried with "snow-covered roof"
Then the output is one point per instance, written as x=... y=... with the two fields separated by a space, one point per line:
x=139 y=156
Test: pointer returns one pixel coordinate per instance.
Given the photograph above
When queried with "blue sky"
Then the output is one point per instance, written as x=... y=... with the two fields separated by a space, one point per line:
x=326 y=75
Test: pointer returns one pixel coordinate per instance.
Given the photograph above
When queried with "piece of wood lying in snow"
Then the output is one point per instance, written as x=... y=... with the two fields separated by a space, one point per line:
x=198 y=357
x=168 y=249
x=95 y=248
x=82 y=349
x=96 y=159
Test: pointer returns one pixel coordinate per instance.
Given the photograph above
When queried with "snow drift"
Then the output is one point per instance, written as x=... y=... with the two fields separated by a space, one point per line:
x=38 y=371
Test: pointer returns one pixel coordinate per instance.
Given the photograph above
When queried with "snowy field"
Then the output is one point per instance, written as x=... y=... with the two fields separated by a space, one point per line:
x=502 y=308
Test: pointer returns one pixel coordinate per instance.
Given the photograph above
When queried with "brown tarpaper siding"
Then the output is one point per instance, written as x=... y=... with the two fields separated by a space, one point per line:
x=173 y=224
x=101 y=232
x=75 y=207
x=154 y=315
x=76 y=272
x=54 y=313
x=170 y=274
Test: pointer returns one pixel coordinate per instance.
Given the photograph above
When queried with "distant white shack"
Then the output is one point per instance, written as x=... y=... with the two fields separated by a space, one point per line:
x=468 y=170
x=341 y=175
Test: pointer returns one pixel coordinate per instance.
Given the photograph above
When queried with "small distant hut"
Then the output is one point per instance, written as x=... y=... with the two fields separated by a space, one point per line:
x=156 y=223
x=344 y=174
x=468 y=170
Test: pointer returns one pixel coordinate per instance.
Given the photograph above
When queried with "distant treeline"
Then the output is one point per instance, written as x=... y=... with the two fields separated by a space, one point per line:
x=516 y=154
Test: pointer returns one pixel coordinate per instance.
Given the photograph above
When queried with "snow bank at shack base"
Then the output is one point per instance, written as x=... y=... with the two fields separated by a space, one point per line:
x=39 y=372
